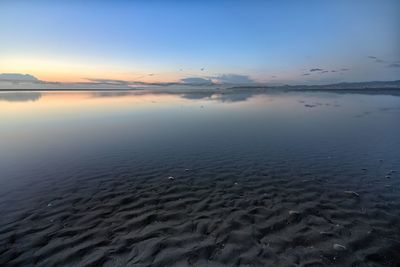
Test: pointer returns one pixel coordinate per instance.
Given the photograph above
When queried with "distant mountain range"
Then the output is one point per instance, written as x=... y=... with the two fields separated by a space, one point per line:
x=351 y=85
x=335 y=86
x=16 y=81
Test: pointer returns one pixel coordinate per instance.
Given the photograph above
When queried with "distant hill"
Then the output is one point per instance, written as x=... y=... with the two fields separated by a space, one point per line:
x=350 y=85
x=18 y=81
x=335 y=86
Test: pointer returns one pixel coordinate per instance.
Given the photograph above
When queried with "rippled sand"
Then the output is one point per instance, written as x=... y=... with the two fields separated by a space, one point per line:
x=209 y=217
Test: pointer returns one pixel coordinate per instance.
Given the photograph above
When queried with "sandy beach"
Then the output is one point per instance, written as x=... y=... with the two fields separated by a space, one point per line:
x=206 y=218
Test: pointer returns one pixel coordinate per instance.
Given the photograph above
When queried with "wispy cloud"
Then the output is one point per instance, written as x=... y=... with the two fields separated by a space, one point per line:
x=18 y=77
x=316 y=69
x=376 y=59
x=233 y=79
x=108 y=81
x=390 y=64
x=196 y=81
x=124 y=82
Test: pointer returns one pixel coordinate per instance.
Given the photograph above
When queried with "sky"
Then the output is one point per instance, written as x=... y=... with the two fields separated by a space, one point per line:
x=282 y=42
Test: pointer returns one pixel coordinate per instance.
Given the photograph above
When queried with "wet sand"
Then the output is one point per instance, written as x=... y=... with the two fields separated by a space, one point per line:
x=208 y=218
x=228 y=196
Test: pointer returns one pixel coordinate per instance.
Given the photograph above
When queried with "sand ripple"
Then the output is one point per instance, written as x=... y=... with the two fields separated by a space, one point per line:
x=200 y=219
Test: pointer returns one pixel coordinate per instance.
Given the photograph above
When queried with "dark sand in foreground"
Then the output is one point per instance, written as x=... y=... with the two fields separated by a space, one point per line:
x=265 y=219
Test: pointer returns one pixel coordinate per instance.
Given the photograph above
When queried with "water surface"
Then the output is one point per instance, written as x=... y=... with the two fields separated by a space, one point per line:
x=327 y=156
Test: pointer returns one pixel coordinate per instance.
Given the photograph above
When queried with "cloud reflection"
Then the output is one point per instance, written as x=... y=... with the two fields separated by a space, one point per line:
x=225 y=97
x=110 y=94
x=20 y=96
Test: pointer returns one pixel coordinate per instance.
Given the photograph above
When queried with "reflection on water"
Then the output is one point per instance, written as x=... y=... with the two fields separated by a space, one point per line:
x=19 y=96
x=301 y=171
x=111 y=93
x=55 y=125
x=198 y=95
x=222 y=97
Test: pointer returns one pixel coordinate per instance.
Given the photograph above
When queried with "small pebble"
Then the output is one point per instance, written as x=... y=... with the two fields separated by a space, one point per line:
x=293 y=212
x=339 y=247
x=352 y=193
x=235 y=183
x=171 y=178
x=49 y=205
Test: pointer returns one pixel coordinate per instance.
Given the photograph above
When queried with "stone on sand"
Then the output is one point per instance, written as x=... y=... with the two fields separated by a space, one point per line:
x=339 y=247
x=352 y=193
x=293 y=212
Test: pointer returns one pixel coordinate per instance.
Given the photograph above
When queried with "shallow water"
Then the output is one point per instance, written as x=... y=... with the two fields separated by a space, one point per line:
x=258 y=178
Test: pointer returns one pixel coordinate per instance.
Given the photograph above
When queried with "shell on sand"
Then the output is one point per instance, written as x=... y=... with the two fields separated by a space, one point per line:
x=339 y=247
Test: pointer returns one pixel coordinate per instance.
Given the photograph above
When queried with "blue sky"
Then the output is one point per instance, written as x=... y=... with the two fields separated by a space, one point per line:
x=155 y=41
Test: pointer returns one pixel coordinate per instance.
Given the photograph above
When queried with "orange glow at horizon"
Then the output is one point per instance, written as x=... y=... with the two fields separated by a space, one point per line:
x=52 y=103
x=51 y=70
